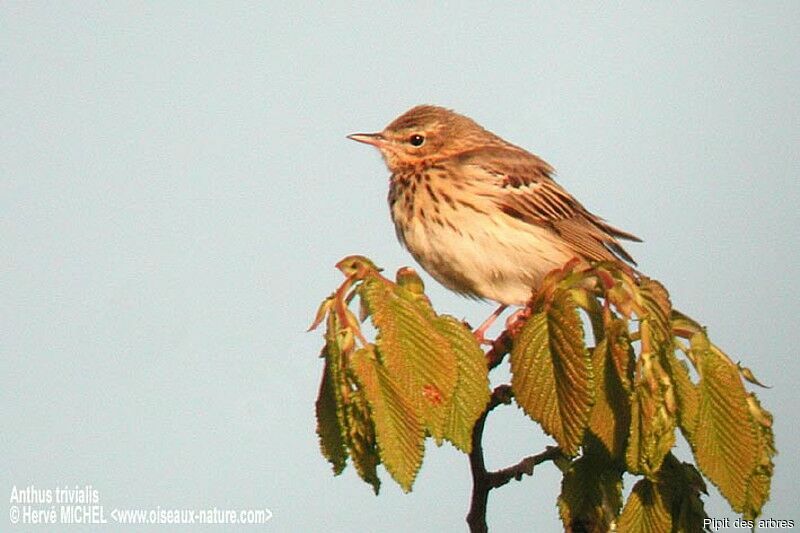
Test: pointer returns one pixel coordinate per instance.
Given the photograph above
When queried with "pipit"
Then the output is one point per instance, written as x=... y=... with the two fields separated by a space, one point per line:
x=482 y=216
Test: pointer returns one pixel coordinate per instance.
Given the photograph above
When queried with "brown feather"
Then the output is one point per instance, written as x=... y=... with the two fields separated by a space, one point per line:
x=526 y=191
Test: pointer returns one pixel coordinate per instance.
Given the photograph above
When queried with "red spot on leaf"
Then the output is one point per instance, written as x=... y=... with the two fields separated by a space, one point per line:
x=432 y=394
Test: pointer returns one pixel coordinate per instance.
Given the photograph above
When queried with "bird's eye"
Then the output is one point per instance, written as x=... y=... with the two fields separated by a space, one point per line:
x=416 y=139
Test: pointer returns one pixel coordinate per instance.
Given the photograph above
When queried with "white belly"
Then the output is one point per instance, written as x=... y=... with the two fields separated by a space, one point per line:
x=493 y=257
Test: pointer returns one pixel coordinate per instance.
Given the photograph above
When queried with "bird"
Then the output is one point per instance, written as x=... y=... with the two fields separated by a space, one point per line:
x=484 y=217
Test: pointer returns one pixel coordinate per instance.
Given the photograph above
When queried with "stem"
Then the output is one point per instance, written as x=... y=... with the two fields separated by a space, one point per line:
x=480 y=480
x=525 y=466
x=500 y=348
x=484 y=481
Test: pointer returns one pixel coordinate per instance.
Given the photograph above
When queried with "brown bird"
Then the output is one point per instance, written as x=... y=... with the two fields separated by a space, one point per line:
x=482 y=216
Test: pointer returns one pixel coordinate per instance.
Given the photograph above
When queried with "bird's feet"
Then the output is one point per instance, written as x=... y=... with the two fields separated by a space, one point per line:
x=516 y=320
x=480 y=332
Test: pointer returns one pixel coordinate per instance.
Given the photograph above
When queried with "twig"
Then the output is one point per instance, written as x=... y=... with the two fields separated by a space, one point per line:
x=476 y=518
x=484 y=481
x=525 y=466
x=500 y=347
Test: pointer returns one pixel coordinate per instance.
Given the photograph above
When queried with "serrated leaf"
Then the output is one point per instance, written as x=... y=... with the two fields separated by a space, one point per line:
x=725 y=441
x=683 y=325
x=686 y=393
x=621 y=351
x=652 y=432
x=415 y=353
x=362 y=440
x=398 y=429
x=670 y=502
x=681 y=485
x=645 y=511
x=551 y=373
x=758 y=485
x=591 y=494
x=622 y=300
x=330 y=432
x=336 y=389
x=610 y=417
x=587 y=301
x=471 y=392
x=655 y=300
x=653 y=403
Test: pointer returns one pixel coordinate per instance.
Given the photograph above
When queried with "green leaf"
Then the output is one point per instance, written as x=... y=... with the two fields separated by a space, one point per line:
x=329 y=428
x=652 y=433
x=591 y=494
x=471 y=393
x=332 y=399
x=684 y=326
x=362 y=440
x=408 y=278
x=725 y=440
x=343 y=421
x=621 y=352
x=587 y=301
x=645 y=511
x=551 y=372
x=758 y=485
x=680 y=485
x=416 y=354
x=670 y=502
x=653 y=297
x=686 y=392
x=427 y=374
x=398 y=430
x=612 y=363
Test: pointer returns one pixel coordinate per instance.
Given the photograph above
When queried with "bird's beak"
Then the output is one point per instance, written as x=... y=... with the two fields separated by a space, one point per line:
x=375 y=139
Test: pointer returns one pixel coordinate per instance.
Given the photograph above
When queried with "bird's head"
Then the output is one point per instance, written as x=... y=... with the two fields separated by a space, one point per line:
x=425 y=133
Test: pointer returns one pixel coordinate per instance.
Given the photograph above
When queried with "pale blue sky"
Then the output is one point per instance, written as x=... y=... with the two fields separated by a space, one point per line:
x=177 y=186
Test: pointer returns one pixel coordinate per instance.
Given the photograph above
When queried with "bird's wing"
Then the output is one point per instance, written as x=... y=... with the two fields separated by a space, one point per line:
x=522 y=187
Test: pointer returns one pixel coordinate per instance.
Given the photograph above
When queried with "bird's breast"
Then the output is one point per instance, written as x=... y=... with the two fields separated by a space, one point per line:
x=429 y=197
x=465 y=242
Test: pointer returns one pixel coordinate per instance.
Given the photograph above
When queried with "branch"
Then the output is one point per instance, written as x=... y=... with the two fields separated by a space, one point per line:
x=500 y=347
x=525 y=466
x=501 y=395
x=484 y=481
